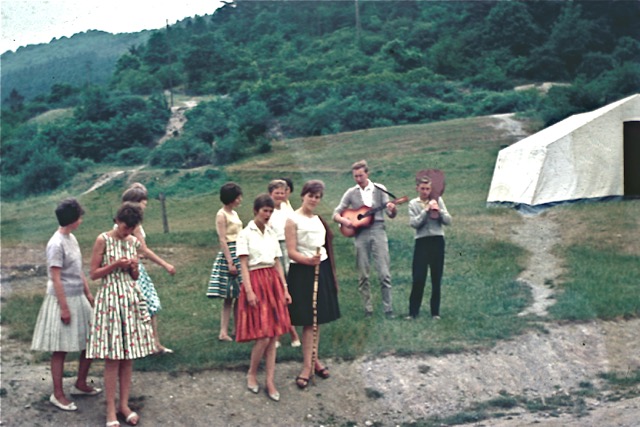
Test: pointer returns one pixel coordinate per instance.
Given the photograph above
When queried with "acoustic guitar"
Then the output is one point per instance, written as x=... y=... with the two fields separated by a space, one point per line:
x=363 y=217
x=437 y=186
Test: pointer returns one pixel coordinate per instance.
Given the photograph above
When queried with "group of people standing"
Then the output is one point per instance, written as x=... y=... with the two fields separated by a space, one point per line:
x=275 y=274
x=280 y=268
x=286 y=276
x=119 y=325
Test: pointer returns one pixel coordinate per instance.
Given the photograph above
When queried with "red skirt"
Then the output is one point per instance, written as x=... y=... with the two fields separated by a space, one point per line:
x=270 y=317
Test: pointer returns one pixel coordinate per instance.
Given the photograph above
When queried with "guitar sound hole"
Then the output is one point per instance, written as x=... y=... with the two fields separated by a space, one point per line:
x=360 y=216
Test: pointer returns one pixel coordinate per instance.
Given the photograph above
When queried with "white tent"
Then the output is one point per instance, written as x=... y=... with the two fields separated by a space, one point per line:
x=586 y=156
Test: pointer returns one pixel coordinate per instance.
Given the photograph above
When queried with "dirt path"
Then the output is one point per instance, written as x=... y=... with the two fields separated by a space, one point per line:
x=177 y=120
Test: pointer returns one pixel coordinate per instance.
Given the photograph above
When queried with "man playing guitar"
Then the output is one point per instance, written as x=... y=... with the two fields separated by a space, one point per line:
x=371 y=241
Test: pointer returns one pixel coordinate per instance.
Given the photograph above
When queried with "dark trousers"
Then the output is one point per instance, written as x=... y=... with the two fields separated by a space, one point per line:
x=428 y=252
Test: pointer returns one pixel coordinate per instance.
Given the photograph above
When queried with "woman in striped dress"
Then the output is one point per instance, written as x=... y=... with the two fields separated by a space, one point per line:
x=121 y=328
x=225 y=280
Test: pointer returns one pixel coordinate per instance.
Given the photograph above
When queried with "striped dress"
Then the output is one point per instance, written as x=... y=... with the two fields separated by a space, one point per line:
x=221 y=283
x=121 y=327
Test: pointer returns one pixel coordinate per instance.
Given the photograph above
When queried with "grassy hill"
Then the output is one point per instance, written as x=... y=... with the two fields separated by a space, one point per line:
x=481 y=297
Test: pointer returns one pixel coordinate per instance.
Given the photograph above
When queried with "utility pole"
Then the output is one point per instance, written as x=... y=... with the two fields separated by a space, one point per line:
x=357 y=23
x=170 y=68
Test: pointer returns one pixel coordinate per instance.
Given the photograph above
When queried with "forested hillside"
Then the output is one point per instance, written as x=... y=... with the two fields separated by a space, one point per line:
x=83 y=59
x=294 y=68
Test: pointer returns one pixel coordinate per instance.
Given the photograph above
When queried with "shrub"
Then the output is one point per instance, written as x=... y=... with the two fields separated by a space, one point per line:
x=181 y=153
x=130 y=156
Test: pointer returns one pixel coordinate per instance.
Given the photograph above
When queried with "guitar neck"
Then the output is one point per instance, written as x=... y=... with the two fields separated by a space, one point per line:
x=375 y=210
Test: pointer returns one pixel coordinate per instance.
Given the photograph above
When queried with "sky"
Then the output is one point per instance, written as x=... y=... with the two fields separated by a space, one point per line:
x=25 y=22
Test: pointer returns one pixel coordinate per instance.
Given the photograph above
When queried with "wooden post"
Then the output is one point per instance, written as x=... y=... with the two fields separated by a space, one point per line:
x=165 y=222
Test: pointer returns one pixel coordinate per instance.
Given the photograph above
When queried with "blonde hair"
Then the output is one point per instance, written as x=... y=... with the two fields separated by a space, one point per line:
x=277 y=183
x=360 y=164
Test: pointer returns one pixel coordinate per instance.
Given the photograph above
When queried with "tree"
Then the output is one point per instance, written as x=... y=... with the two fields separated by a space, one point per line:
x=15 y=101
x=509 y=25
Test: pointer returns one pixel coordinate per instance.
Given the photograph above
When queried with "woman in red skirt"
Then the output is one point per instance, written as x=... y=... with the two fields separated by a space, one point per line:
x=262 y=308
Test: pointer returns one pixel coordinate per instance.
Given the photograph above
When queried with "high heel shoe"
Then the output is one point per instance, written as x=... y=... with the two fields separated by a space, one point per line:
x=253 y=388
x=302 y=382
x=275 y=396
x=322 y=373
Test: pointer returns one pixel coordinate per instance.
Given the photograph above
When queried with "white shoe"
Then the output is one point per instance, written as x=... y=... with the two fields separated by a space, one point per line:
x=77 y=392
x=296 y=343
x=278 y=344
x=55 y=402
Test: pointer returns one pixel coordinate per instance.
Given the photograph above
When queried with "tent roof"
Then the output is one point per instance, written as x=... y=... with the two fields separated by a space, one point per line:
x=580 y=157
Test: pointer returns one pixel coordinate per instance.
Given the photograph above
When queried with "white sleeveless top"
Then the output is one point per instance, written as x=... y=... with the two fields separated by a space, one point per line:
x=310 y=234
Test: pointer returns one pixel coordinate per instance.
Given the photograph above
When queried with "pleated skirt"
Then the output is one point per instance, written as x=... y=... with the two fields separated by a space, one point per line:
x=221 y=283
x=148 y=291
x=270 y=317
x=50 y=334
x=300 y=280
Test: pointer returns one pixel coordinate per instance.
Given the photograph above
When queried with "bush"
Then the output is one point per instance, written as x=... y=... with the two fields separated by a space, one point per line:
x=130 y=156
x=45 y=171
x=181 y=153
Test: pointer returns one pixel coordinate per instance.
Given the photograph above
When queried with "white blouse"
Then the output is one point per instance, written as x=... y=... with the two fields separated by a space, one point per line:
x=310 y=233
x=279 y=219
x=262 y=248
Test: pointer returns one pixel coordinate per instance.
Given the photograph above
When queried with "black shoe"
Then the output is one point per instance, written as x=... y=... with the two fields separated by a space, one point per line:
x=368 y=313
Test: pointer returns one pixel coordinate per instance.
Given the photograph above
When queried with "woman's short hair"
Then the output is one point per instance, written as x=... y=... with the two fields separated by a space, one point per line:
x=261 y=201
x=275 y=184
x=130 y=213
x=313 y=186
x=134 y=194
x=289 y=183
x=68 y=211
x=229 y=192
x=140 y=186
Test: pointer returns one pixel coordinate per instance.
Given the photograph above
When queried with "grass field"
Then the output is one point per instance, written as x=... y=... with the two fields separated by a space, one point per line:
x=481 y=297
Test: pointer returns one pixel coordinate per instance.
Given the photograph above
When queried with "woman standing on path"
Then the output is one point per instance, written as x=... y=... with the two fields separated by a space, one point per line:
x=305 y=233
x=121 y=327
x=66 y=312
x=225 y=278
x=262 y=306
x=137 y=193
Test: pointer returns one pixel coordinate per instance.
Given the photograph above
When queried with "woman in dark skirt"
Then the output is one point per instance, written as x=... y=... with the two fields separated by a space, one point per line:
x=309 y=245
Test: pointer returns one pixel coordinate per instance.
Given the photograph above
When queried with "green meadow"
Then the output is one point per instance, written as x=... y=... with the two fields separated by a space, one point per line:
x=599 y=246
